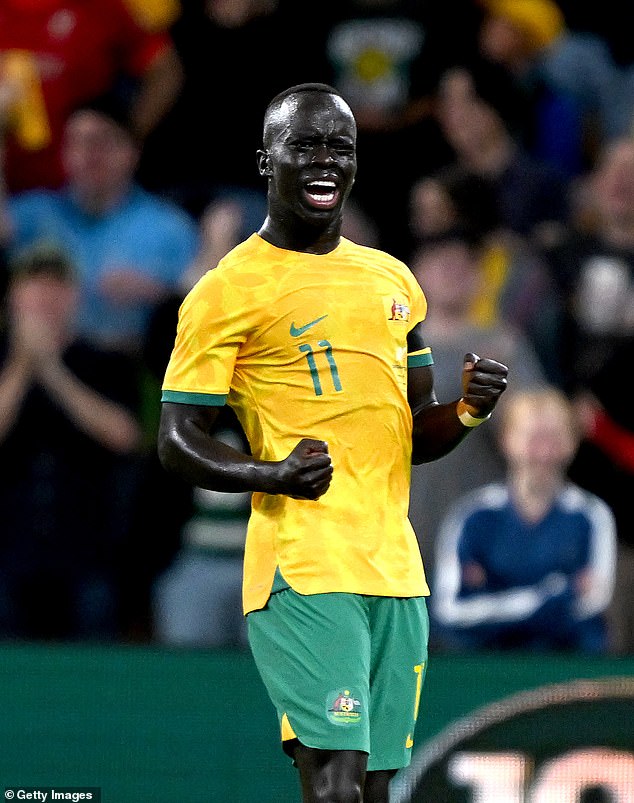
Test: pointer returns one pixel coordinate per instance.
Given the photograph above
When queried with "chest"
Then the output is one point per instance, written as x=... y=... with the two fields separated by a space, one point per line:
x=352 y=315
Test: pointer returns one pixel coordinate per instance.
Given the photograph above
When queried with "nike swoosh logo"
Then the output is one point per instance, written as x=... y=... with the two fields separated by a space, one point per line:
x=299 y=330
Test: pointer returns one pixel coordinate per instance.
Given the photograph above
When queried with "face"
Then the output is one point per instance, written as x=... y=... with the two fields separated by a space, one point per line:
x=46 y=298
x=97 y=154
x=450 y=274
x=431 y=208
x=542 y=438
x=309 y=158
x=614 y=182
x=501 y=41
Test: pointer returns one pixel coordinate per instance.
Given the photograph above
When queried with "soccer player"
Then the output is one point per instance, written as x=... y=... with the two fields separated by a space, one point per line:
x=316 y=343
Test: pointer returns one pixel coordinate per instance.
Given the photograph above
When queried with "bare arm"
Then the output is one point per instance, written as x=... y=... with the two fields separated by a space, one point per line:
x=35 y=358
x=437 y=428
x=158 y=91
x=187 y=447
x=15 y=380
x=102 y=419
x=37 y=345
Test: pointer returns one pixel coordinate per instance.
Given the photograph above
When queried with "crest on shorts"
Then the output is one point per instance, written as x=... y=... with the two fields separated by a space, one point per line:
x=343 y=707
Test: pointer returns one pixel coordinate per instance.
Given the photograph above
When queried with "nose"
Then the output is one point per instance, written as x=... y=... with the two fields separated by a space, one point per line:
x=322 y=154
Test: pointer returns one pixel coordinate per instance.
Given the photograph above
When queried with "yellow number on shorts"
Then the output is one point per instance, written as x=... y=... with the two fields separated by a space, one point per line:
x=409 y=742
x=419 y=686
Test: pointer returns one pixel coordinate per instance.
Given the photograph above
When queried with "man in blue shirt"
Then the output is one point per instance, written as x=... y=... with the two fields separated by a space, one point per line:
x=528 y=563
x=131 y=248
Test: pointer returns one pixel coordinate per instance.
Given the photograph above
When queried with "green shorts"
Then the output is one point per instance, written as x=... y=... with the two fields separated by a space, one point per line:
x=344 y=671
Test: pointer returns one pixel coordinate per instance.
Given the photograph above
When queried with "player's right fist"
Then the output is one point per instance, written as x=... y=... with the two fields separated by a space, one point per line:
x=307 y=471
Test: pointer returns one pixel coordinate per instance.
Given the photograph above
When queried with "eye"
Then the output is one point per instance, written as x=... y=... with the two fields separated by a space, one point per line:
x=342 y=147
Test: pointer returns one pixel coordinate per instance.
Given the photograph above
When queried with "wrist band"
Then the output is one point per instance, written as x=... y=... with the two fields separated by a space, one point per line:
x=466 y=418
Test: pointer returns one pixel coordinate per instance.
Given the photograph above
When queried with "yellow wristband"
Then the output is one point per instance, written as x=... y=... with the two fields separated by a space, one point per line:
x=466 y=418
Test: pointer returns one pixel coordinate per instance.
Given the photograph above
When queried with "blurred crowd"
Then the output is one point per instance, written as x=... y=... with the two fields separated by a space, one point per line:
x=496 y=158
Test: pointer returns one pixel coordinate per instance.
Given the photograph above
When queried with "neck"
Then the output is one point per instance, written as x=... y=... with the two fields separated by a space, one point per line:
x=301 y=237
x=533 y=491
x=100 y=201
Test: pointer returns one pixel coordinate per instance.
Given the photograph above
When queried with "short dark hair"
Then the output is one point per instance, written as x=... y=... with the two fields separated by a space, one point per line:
x=113 y=107
x=298 y=89
x=459 y=234
x=42 y=258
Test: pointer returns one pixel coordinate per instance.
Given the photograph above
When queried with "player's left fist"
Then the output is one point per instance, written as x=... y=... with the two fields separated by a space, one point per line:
x=483 y=382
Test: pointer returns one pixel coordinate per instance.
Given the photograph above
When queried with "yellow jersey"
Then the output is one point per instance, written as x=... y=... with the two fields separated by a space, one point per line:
x=314 y=346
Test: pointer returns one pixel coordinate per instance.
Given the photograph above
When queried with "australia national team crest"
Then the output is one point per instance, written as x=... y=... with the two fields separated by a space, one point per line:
x=343 y=707
x=397 y=309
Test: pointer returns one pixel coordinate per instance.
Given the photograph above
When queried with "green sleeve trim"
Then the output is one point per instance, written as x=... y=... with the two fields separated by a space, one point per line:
x=420 y=359
x=206 y=399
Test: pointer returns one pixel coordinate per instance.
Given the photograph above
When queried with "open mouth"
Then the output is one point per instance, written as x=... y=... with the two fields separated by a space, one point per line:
x=322 y=194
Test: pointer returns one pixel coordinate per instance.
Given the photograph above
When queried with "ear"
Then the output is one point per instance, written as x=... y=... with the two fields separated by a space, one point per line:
x=263 y=163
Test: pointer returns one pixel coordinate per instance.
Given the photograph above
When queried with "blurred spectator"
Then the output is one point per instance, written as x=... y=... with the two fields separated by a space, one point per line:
x=131 y=248
x=56 y=54
x=531 y=38
x=515 y=283
x=612 y=20
x=479 y=112
x=190 y=157
x=385 y=57
x=604 y=464
x=448 y=269
x=68 y=435
x=528 y=563
x=523 y=37
x=594 y=269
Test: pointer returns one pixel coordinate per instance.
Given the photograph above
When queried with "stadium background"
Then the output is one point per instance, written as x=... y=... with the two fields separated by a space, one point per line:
x=153 y=725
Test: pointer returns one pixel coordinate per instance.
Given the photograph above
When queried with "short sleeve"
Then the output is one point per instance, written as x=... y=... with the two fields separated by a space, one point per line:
x=209 y=334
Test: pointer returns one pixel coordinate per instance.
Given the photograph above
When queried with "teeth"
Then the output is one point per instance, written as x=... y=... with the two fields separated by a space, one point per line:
x=325 y=185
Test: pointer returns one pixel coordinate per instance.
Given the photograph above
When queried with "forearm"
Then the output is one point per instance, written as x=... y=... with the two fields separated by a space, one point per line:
x=14 y=383
x=101 y=419
x=159 y=89
x=203 y=461
x=437 y=430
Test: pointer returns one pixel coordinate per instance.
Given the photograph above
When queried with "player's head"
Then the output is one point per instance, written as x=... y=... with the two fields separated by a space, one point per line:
x=309 y=153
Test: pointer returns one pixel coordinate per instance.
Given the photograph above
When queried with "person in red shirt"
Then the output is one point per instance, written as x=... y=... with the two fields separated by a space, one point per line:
x=56 y=54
